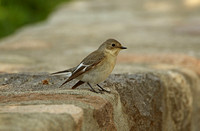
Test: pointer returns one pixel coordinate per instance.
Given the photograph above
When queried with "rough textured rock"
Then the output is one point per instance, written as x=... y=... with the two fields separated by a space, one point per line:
x=162 y=100
x=35 y=121
x=142 y=100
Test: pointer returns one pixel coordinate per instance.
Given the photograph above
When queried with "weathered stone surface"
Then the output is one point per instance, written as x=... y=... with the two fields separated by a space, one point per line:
x=35 y=121
x=142 y=100
x=165 y=100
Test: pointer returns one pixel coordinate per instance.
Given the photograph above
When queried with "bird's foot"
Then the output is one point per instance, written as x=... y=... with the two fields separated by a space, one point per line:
x=98 y=92
x=92 y=89
x=102 y=89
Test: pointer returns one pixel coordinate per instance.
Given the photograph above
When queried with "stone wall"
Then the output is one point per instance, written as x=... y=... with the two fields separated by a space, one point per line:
x=162 y=100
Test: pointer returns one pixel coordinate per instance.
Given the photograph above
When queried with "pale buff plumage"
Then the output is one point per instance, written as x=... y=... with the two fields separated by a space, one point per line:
x=97 y=66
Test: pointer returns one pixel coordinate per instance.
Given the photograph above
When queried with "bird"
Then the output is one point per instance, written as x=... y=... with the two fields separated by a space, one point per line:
x=96 y=67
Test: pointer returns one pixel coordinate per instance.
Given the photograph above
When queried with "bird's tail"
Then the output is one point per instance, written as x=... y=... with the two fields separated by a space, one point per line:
x=60 y=72
x=64 y=71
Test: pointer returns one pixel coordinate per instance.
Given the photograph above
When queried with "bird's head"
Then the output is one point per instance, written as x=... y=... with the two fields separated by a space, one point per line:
x=111 y=46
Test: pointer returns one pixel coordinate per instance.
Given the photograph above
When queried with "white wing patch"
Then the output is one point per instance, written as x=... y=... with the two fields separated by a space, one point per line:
x=77 y=67
x=68 y=74
x=81 y=65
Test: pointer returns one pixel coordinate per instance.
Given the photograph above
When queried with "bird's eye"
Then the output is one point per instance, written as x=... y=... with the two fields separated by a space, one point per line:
x=113 y=45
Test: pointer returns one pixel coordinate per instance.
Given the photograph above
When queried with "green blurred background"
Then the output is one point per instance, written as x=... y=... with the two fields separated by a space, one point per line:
x=16 y=13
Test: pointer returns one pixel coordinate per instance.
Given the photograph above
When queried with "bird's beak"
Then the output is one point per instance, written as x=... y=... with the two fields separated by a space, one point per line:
x=123 y=47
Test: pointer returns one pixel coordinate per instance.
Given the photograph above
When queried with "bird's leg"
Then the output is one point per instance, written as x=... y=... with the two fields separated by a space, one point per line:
x=102 y=89
x=92 y=89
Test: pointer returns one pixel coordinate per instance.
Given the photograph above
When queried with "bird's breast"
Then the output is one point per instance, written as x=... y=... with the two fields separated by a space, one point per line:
x=100 y=72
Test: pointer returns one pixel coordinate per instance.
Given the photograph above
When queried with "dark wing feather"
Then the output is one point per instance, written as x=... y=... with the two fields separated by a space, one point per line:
x=78 y=84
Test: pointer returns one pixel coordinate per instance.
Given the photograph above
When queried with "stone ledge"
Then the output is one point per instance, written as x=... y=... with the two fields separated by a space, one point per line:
x=160 y=100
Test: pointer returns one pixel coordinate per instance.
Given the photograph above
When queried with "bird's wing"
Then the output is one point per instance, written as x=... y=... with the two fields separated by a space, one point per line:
x=86 y=64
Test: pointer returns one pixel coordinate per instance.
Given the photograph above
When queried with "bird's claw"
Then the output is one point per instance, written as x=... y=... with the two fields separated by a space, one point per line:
x=100 y=92
x=104 y=90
